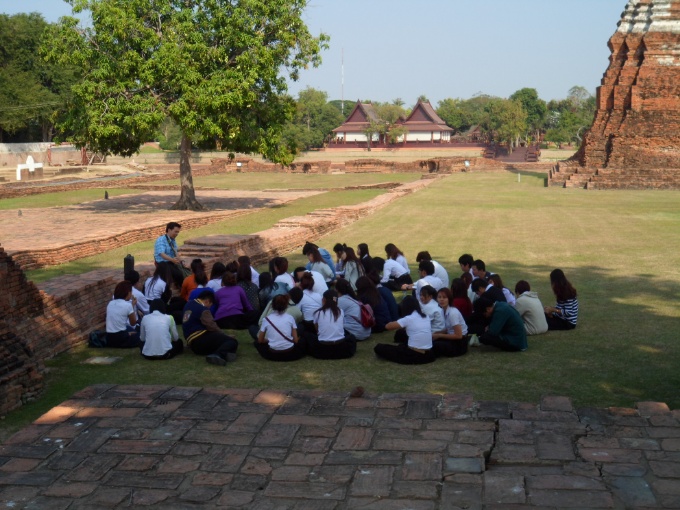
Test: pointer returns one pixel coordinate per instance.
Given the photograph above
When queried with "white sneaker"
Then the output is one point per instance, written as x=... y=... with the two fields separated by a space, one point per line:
x=474 y=341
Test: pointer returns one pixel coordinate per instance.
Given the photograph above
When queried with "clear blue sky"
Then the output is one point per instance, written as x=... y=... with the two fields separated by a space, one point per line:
x=445 y=48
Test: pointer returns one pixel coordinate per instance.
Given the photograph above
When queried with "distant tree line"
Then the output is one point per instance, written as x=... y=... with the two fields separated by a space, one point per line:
x=34 y=92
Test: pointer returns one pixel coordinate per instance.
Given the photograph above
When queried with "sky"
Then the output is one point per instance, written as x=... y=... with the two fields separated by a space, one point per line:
x=388 y=49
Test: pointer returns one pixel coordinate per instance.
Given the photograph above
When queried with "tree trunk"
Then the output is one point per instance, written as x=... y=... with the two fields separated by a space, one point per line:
x=187 y=199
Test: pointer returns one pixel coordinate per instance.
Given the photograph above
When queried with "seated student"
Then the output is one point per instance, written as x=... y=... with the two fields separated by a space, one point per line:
x=294 y=296
x=386 y=295
x=439 y=270
x=452 y=341
x=159 y=334
x=216 y=274
x=479 y=270
x=370 y=295
x=197 y=277
x=310 y=302
x=339 y=262
x=244 y=279
x=506 y=329
x=233 y=308
x=320 y=286
x=427 y=277
x=324 y=255
x=478 y=322
x=461 y=301
x=351 y=309
x=465 y=262
x=330 y=341
x=353 y=268
x=244 y=260
x=430 y=307
x=269 y=289
x=565 y=312
x=280 y=272
x=468 y=279
x=278 y=339
x=498 y=283
x=202 y=333
x=394 y=253
x=142 y=307
x=530 y=309
x=318 y=264
x=393 y=273
x=365 y=257
x=158 y=285
x=121 y=318
x=418 y=349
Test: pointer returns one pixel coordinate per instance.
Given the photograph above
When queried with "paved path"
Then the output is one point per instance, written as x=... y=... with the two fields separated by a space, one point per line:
x=164 y=447
x=53 y=227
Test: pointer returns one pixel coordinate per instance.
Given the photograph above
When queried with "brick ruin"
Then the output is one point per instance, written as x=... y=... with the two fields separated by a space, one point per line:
x=634 y=141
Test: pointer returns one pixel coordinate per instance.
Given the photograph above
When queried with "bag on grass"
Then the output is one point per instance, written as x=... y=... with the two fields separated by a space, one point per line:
x=97 y=338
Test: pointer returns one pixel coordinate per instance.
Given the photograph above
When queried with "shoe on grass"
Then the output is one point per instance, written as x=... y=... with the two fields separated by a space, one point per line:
x=214 y=359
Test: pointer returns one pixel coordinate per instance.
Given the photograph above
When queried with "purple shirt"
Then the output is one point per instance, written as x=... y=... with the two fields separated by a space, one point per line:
x=231 y=301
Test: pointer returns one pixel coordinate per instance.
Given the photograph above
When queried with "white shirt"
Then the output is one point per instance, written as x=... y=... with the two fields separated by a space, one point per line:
x=142 y=303
x=453 y=317
x=430 y=280
x=310 y=303
x=117 y=313
x=330 y=329
x=255 y=276
x=287 y=279
x=392 y=269
x=433 y=311
x=352 y=313
x=320 y=285
x=157 y=331
x=441 y=273
x=509 y=296
x=324 y=269
x=286 y=324
x=418 y=330
x=155 y=291
x=401 y=260
x=215 y=284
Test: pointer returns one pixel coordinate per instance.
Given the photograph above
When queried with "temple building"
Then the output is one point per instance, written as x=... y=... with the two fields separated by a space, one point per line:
x=424 y=125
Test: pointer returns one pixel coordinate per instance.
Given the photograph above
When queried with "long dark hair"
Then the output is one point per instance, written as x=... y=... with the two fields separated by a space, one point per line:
x=392 y=251
x=122 y=290
x=458 y=289
x=560 y=285
x=316 y=255
x=362 y=249
x=280 y=265
x=163 y=272
x=217 y=271
x=307 y=281
x=367 y=291
x=198 y=268
x=330 y=302
x=345 y=288
x=409 y=305
x=244 y=274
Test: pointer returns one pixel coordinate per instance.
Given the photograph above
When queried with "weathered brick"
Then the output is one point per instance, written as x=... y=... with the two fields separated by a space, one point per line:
x=374 y=481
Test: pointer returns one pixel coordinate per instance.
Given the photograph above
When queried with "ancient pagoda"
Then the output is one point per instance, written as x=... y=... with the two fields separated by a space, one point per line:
x=634 y=141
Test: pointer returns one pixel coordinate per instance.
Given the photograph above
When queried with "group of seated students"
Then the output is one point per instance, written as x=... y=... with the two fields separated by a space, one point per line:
x=325 y=308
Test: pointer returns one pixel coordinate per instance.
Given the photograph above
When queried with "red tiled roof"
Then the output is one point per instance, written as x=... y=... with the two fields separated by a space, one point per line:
x=358 y=119
x=424 y=118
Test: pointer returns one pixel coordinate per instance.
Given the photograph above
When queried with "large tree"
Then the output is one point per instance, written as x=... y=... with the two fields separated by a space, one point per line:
x=534 y=107
x=213 y=66
x=30 y=89
x=314 y=120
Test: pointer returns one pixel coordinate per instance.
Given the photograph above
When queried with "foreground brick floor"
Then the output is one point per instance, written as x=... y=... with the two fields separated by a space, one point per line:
x=164 y=447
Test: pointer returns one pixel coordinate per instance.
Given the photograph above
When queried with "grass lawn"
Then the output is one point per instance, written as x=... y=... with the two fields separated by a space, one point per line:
x=259 y=181
x=620 y=249
x=254 y=222
x=63 y=198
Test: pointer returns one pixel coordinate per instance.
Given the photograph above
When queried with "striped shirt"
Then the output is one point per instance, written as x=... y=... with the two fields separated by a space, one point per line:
x=568 y=310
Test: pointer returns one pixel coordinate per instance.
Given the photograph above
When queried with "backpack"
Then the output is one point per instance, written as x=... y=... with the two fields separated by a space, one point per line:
x=97 y=338
x=367 y=318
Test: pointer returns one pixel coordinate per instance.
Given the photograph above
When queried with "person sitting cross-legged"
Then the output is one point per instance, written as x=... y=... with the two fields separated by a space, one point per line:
x=202 y=333
x=278 y=339
x=506 y=328
x=530 y=309
x=418 y=348
x=159 y=333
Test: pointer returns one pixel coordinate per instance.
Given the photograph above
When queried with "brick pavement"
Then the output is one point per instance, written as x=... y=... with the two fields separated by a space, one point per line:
x=171 y=447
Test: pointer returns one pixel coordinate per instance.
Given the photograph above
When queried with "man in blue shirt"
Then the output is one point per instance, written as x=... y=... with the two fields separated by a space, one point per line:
x=165 y=252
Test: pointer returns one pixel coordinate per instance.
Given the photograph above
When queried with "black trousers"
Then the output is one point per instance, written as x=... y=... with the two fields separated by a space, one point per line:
x=398 y=282
x=496 y=341
x=296 y=351
x=450 y=348
x=343 y=349
x=240 y=321
x=214 y=342
x=403 y=354
x=558 y=323
x=123 y=339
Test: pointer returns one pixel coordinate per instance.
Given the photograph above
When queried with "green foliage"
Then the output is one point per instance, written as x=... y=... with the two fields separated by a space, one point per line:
x=534 y=107
x=505 y=119
x=462 y=114
x=314 y=120
x=31 y=90
x=169 y=135
x=567 y=119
